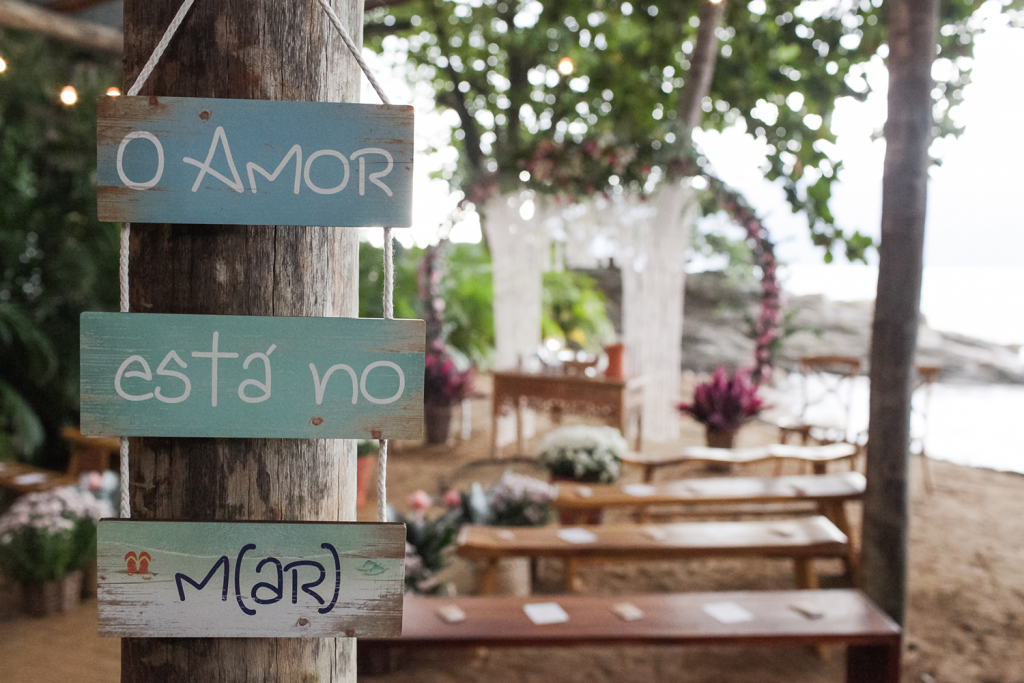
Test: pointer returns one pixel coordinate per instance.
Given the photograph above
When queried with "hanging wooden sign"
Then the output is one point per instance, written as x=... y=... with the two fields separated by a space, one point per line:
x=254 y=162
x=250 y=579
x=261 y=377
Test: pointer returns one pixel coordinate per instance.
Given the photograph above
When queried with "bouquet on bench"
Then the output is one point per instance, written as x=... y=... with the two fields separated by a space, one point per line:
x=584 y=454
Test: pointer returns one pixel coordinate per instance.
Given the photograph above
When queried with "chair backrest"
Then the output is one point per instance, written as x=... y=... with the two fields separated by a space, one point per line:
x=832 y=377
x=927 y=376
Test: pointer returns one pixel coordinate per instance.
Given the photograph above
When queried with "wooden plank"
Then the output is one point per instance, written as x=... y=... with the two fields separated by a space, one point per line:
x=252 y=162
x=250 y=579
x=807 y=537
x=27 y=17
x=669 y=619
x=318 y=378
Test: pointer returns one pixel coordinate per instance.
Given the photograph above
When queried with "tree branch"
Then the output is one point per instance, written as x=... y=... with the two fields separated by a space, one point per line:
x=72 y=6
x=702 y=69
x=376 y=4
x=21 y=15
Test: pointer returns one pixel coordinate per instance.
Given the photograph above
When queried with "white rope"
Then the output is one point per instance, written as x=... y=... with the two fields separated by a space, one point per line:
x=354 y=50
x=126 y=230
x=389 y=313
x=158 y=51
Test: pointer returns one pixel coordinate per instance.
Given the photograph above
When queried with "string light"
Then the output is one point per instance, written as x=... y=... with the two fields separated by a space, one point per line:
x=69 y=95
x=565 y=66
x=3 y=65
x=113 y=92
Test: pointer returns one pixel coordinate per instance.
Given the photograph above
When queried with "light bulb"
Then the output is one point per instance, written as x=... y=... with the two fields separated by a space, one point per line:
x=69 y=95
x=3 y=65
x=113 y=92
x=565 y=66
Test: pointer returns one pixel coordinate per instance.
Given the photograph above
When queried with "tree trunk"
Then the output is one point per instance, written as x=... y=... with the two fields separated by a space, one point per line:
x=257 y=49
x=913 y=34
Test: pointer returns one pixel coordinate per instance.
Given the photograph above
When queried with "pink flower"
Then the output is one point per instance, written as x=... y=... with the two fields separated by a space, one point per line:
x=453 y=500
x=420 y=501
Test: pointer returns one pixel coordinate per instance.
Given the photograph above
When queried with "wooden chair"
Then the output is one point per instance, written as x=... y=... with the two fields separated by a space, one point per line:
x=846 y=617
x=835 y=374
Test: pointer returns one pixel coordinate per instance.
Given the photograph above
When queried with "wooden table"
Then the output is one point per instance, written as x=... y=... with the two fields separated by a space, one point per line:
x=801 y=540
x=873 y=640
x=817 y=456
x=13 y=477
x=616 y=402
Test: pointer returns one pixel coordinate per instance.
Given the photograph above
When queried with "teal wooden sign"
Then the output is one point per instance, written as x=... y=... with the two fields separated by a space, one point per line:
x=254 y=162
x=262 y=377
x=250 y=579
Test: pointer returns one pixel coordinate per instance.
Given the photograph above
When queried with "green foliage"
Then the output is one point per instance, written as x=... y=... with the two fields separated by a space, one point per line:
x=494 y=63
x=371 y=282
x=56 y=259
x=469 y=302
x=574 y=311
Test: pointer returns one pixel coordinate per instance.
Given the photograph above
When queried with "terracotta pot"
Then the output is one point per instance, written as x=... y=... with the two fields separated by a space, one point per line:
x=720 y=439
x=438 y=422
x=365 y=467
x=616 y=361
x=52 y=597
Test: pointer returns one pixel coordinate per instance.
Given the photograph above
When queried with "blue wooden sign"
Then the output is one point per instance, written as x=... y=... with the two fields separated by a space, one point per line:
x=250 y=579
x=254 y=162
x=240 y=376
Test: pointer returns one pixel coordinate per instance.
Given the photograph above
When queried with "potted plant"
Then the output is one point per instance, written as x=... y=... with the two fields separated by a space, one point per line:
x=722 y=405
x=515 y=500
x=46 y=540
x=367 y=451
x=444 y=385
x=584 y=454
x=427 y=539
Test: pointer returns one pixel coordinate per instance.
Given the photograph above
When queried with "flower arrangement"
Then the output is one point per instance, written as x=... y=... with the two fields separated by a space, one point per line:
x=45 y=536
x=518 y=500
x=583 y=453
x=724 y=403
x=426 y=539
x=444 y=384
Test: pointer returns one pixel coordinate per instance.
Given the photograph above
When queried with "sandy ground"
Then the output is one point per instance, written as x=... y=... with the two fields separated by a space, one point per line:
x=965 y=621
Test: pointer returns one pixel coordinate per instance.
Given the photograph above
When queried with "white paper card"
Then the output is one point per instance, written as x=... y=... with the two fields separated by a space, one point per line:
x=584 y=491
x=577 y=535
x=638 y=489
x=655 y=533
x=452 y=614
x=627 y=611
x=504 y=535
x=542 y=613
x=809 y=609
x=727 y=612
x=33 y=478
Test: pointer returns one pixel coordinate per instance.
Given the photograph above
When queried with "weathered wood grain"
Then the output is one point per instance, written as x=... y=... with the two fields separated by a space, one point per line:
x=232 y=162
x=253 y=49
x=235 y=580
x=274 y=377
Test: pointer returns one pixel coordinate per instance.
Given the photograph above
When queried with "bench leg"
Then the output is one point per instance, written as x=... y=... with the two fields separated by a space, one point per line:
x=569 y=574
x=648 y=473
x=373 y=660
x=486 y=575
x=873 y=663
x=804 y=575
x=835 y=512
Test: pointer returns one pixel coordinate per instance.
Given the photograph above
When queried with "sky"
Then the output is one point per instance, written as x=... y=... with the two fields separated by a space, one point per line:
x=974 y=272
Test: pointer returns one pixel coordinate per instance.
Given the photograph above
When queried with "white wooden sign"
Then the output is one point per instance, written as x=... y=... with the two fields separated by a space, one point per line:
x=250 y=579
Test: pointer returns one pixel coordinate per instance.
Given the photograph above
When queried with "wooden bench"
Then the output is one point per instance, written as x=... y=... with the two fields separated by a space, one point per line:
x=802 y=540
x=828 y=493
x=22 y=479
x=817 y=457
x=848 y=618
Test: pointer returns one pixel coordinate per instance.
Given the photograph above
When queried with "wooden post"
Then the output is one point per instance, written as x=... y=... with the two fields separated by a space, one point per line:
x=259 y=49
x=913 y=34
